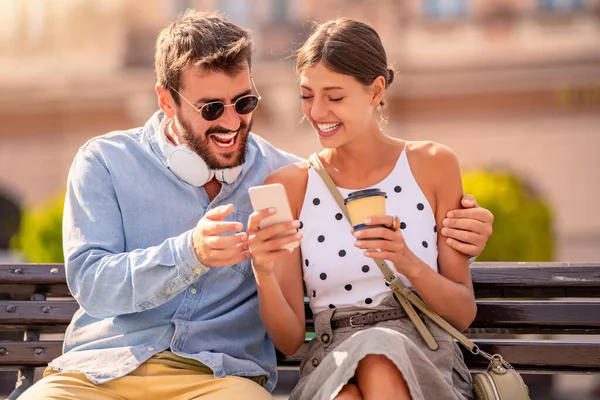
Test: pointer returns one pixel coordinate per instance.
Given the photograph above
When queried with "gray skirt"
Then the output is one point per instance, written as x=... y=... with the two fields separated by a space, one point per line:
x=333 y=357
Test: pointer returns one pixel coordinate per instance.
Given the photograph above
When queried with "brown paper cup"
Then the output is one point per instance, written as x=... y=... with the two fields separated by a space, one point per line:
x=364 y=204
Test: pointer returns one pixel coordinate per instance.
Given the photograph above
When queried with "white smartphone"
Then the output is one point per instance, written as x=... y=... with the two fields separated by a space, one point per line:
x=273 y=195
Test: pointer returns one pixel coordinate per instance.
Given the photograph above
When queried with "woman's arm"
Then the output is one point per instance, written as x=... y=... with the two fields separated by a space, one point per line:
x=449 y=293
x=278 y=273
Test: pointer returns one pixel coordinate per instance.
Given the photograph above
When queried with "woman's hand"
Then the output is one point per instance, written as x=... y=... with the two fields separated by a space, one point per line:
x=387 y=243
x=264 y=247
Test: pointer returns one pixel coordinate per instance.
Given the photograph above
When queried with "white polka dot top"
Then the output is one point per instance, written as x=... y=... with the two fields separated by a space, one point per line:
x=336 y=273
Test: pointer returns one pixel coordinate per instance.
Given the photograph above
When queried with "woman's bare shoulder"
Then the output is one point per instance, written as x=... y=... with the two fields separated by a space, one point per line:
x=429 y=149
x=430 y=155
x=291 y=174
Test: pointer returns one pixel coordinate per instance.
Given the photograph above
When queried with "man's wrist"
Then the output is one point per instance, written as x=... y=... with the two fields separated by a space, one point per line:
x=188 y=259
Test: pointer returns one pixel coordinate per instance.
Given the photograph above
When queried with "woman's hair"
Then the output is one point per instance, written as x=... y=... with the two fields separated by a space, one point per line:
x=347 y=47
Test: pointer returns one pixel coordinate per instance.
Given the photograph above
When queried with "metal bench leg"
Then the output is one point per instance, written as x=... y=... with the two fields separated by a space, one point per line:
x=26 y=375
x=24 y=382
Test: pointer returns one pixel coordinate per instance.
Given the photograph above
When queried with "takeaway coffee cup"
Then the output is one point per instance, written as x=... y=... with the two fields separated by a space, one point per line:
x=363 y=204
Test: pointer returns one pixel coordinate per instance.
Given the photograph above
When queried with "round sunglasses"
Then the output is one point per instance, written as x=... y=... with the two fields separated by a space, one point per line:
x=213 y=110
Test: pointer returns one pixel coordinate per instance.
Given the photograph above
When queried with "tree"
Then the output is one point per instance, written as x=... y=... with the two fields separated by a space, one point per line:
x=40 y=234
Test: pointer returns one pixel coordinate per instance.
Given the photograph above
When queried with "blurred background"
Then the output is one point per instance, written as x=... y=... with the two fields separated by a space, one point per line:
x=512 y=86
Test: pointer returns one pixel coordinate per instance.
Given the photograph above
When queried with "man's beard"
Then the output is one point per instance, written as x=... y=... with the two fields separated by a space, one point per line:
x=201 y=145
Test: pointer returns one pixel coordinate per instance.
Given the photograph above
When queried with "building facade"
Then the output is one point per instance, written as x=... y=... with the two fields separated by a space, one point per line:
x=512 y=83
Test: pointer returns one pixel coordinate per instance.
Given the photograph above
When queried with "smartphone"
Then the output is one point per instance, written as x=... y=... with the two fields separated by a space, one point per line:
x=273 y=195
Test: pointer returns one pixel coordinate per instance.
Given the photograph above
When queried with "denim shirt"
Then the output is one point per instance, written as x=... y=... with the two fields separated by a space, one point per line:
x=127 y=234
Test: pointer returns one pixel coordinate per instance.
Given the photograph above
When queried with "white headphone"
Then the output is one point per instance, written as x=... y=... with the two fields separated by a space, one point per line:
x=189 y=166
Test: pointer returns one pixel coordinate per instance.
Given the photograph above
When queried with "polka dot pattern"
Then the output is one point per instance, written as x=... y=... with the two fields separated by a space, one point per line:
x=338 y=273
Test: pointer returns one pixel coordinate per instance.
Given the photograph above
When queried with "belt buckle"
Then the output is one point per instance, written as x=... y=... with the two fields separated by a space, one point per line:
x=352 y=324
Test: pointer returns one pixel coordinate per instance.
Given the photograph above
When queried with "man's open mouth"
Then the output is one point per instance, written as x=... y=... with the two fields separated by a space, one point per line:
x=224 y=140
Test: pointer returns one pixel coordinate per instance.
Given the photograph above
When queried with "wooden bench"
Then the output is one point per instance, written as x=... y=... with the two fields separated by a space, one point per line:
x=542 y=317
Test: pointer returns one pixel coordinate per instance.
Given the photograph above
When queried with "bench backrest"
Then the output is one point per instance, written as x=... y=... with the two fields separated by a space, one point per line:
x=513 y=299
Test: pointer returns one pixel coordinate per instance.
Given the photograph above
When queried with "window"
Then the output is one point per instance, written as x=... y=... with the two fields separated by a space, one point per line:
x=280 y=11
x=238 y=11
x=561 y=5
x=23 y=21
x=445 y=8
x=10 y=21
x=176 y=7
x=35 y=20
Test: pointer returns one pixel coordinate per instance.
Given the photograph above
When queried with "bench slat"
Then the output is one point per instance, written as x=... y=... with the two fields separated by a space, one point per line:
x=37 y=354
x=36 y=274
x=531 y=316
x=530 y=274
x=536 y=274
x=527 y=292
x=561 y=314
x=41 y=312
x=503 y=315
x=506 y=274
x=540 y=355
x=524 y=355
x=24 y=291
x=42 y=328
x=490 y=280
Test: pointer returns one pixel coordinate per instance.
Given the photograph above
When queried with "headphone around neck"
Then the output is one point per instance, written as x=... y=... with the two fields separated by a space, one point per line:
x=189 y=166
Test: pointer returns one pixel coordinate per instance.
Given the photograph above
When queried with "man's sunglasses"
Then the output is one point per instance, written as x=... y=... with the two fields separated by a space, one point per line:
x=215 y=109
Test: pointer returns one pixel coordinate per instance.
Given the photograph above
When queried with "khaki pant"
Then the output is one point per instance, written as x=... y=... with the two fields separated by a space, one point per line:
x=149 y=382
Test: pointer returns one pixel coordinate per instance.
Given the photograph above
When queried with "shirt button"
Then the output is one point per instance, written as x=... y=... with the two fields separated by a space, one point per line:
x=315 y=362
x=197 y=271
x=168 y=290
x=193 y=291
x=150 y=348
x=325 y=338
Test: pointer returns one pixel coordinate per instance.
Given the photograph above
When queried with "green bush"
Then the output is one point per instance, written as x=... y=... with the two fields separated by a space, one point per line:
x=523 y=221
x=40 y=234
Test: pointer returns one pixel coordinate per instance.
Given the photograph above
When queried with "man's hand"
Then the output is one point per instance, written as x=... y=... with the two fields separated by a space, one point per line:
x=469 y=229
x=214 y=250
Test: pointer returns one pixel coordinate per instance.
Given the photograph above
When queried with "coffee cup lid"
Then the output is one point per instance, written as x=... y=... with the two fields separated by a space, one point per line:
x=359 y=194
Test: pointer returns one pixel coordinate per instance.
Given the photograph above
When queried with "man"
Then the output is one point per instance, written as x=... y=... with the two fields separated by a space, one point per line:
x=155 y=248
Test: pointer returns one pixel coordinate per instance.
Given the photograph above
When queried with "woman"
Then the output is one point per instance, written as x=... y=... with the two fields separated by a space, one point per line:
x=343 y=77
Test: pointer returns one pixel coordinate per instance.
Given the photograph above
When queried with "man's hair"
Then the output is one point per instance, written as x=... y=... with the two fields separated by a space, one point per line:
x=206 y=40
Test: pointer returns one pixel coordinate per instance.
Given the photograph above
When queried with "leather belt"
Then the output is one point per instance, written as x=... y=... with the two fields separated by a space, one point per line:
x=368 y=318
